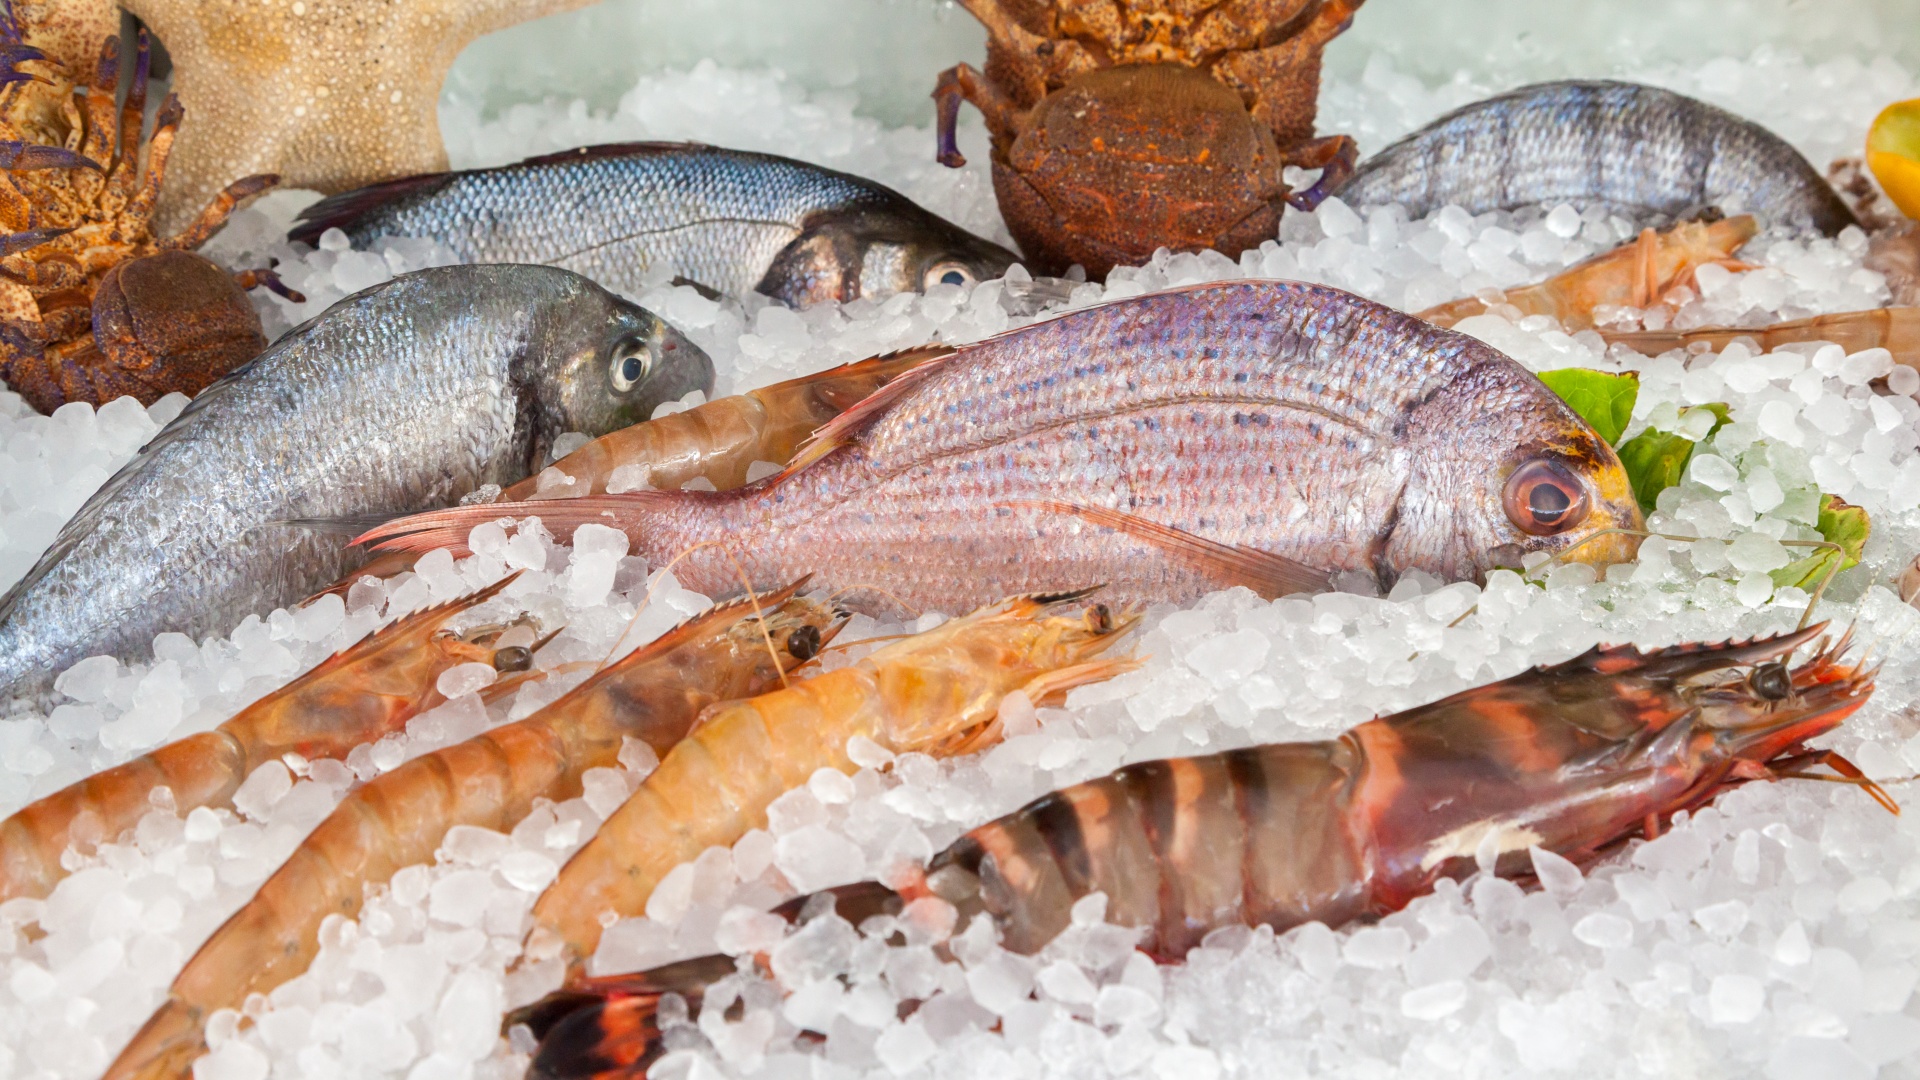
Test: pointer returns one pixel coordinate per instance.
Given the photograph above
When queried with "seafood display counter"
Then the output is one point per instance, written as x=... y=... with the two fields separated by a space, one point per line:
x=1012 y=538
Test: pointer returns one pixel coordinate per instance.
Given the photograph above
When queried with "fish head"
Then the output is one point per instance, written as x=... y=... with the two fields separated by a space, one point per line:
x=611 y=363
x=1499 y=468
x=876 y=251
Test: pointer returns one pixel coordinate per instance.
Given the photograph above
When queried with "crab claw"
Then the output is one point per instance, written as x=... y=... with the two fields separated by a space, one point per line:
x=12 y=55
x=27 y=240
x=28 y=155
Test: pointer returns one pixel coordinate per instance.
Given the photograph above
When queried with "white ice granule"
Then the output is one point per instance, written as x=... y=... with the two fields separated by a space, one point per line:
x=1775 y=933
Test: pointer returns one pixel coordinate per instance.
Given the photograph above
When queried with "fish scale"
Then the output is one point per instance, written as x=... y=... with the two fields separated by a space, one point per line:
x=1639 y=151
x=722 y=218
x=406 y=395
x=1283 y=432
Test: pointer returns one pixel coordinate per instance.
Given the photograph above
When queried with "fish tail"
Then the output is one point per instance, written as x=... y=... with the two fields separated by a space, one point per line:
x=643 y=515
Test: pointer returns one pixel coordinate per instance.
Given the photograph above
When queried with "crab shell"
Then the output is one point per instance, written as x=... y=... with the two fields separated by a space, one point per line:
x=171 y=321
x=1124 y=160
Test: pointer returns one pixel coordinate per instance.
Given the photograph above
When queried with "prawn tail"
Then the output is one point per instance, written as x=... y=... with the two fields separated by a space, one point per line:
x=636 y=513
x=611 y=1026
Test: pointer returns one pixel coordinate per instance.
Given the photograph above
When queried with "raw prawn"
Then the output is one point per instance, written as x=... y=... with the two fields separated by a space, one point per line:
x=1638 y=274
x=1574 y=759
x=489 y=781
x=361 y=693
x=719 y=440
x=936 y=692
x=1896 y=329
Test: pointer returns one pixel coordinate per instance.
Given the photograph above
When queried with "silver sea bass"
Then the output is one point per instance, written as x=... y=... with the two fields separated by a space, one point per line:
x=729 y=220
x=1640 y=151
x=402 y=397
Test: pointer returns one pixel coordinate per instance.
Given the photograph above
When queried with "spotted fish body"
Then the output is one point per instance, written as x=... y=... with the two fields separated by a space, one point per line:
x=1165 y=445
x=1648 y=154
x=407 y=395
x=730 y=220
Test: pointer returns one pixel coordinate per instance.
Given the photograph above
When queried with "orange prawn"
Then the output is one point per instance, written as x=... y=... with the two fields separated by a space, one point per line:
x=1571 y=759
x=1637 y=274
x=489 y=781
x=363 y=692
x=937 y=692
x=718 y=441
x=1896 y=329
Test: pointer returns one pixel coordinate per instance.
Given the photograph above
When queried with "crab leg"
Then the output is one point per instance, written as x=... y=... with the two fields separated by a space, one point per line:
x=215 y=215
x=1334 y=155
x=963 y=82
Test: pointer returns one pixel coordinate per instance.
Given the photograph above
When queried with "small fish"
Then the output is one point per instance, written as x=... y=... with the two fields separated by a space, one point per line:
x=404 y=396
x=727 y=220
x=1648 y=154
x=1268 y=434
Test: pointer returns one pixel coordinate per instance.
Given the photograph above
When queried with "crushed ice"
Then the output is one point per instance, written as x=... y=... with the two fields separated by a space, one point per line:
x=1775 y=933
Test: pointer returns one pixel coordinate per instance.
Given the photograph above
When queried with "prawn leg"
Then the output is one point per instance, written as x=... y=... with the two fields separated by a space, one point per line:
x=926 y=693
x=1636 y=274
x=490 y=781
x=359 y=694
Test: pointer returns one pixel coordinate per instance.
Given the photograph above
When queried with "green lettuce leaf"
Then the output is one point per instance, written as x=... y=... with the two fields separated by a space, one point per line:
x=1602 y=398
x=1840 y=523
x=1655 y=460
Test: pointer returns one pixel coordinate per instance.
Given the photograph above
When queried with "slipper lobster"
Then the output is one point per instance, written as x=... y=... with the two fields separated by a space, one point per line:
x=92 y=304
x=1123 y=126
x=1573 y=758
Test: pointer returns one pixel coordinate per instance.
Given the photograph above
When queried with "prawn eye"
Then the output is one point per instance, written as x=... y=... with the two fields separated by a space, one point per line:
x=804 y=643
x=1771 y=681
x=630 y=364
x=512 y=658
x=1543 y=497
x=947 y=273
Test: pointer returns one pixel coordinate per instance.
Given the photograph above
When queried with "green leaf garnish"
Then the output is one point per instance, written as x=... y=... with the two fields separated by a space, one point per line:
x=1602 y=398
x=1656 y=460
x=1841 y=523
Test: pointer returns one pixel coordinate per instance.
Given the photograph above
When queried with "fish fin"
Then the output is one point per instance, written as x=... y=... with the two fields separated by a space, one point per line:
x=840 y=430
x=620 y=149
x=448 y=528
x=1265 y=573
x=905 y=359
x=342 y=211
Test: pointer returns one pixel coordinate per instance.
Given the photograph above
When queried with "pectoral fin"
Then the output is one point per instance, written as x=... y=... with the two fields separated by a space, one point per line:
x=1265 y=573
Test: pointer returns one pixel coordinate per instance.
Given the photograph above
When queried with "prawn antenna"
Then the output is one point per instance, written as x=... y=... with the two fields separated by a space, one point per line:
x=1813 y=601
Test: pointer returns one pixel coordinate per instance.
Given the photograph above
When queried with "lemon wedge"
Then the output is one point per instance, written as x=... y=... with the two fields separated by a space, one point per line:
x=1893 y=153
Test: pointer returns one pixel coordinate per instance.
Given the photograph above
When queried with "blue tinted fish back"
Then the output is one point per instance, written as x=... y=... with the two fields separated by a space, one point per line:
x=1647 y=153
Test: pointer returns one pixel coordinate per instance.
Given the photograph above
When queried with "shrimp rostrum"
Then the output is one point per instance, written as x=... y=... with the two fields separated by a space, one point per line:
x=489 y=781
x=1574 y=758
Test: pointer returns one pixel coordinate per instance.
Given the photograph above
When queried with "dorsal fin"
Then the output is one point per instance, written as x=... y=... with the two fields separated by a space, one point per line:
x=841 y=429
x=344 y=210
x=609 y=150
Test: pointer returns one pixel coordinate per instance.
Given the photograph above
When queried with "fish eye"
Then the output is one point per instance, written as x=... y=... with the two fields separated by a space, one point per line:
x=804 y=643
x=1771 y=681
x=631 y=362
x=512 y=658
x=1543 y=497
x=947 y=273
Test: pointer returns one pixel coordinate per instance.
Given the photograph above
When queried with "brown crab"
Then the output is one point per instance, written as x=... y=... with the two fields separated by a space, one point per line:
x=92 y=304
x=1122 y=126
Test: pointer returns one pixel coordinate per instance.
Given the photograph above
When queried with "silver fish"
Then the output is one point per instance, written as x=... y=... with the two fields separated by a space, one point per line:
x=1648 y=154
x=728 y=220
x=1270 y=434
x=404 y=396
